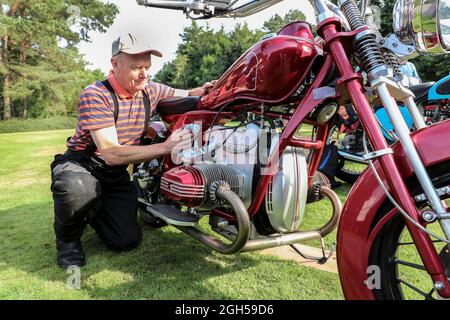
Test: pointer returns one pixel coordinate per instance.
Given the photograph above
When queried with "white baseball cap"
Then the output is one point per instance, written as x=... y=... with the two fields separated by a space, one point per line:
x=128 y=43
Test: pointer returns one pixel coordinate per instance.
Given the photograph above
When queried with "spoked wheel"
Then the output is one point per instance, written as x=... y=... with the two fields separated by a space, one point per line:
x=348 y=170
x=403 y=275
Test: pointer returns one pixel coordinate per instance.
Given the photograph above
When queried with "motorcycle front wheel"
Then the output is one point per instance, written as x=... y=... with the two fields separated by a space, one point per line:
x=393 y=251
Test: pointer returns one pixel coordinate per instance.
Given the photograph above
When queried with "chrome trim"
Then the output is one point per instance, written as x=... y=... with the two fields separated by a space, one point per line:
x=299 y=236
x=419 y=22
x=418 y=119
x=243 y=221
x=352 y=157
x=170 y=221
x=377 y=153
x=441 y=191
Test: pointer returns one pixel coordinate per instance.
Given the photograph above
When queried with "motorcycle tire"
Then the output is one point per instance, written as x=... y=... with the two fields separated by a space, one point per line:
x=345 y=174
x=393 y=244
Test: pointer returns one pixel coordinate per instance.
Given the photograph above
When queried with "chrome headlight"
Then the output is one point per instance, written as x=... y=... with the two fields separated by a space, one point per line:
x=424 y=24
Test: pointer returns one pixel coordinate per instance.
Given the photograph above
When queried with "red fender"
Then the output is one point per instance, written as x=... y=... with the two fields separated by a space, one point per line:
x=355 y=235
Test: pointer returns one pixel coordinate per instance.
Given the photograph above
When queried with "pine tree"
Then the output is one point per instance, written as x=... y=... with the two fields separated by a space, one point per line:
x=39 y=60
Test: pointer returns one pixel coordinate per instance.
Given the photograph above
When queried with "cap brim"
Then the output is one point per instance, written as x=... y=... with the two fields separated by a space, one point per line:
x=136 y=52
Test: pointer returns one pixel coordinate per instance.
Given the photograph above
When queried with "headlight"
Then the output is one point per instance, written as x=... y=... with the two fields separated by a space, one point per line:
x=424 y=24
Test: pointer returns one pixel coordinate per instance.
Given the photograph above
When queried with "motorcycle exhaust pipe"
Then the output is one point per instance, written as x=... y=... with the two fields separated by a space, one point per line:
x=300 y=236
x=241 y=242
x=243 y=221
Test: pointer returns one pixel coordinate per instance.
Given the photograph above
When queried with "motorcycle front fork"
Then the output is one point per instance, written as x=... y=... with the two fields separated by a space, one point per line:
x=351 y=81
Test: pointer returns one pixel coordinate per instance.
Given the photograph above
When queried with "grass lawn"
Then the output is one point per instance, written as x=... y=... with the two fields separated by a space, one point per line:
x=167 y=265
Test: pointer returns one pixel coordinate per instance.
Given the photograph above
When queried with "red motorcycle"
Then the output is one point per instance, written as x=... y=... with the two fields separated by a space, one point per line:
x=251 y=173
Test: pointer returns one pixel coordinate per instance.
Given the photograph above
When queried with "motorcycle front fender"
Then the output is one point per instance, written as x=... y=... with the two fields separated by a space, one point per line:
x=359 y=223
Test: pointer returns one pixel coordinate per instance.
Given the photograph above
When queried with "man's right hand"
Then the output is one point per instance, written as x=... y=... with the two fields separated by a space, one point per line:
x=180 y=139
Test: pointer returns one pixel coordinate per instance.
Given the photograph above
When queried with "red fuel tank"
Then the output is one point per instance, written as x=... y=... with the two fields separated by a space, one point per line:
x=270 y=71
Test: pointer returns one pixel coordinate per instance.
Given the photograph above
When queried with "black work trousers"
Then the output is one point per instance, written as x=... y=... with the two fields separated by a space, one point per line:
x=85 y=192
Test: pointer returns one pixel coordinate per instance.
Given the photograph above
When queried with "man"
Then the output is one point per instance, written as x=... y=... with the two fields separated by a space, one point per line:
x=90 y=183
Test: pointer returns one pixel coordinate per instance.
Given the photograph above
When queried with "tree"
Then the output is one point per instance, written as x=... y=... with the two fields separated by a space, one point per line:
x=38 y=53
x=204 y=54
x=275 y=23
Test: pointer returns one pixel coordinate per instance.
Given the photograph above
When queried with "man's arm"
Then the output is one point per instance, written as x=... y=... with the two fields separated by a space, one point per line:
x=115 y=154
x=200 y=91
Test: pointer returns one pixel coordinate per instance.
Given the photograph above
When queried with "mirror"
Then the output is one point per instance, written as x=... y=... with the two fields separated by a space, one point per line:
x=424 y=24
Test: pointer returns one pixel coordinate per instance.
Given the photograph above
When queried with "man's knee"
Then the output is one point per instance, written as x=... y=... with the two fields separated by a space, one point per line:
x=125 y=242
x=74 y=193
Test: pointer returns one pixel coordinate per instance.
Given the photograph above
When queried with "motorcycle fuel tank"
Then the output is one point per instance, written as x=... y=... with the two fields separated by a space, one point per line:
x=270 y=71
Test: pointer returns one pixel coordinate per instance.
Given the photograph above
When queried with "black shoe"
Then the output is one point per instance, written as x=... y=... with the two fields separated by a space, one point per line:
x=70 y=254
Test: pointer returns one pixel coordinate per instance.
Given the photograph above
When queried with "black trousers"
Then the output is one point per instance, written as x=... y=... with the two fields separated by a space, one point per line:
x=85 y=192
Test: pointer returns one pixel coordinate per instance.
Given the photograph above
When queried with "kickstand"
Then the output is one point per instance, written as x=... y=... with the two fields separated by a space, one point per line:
x=320 y=260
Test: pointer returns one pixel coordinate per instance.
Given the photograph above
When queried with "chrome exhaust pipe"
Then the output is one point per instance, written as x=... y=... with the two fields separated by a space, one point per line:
x=300 y=236
x=241 y=242
x=243 y=221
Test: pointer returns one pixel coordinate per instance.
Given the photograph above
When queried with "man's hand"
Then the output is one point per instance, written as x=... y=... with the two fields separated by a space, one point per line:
x=179 y=140
x=201 y=91
x=116 y=154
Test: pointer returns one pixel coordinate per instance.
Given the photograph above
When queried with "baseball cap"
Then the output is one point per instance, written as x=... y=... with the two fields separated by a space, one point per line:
x=128 y=43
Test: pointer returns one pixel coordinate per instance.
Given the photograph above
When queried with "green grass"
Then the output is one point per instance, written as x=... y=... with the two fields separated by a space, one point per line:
x=41 y=124
x=167 y=265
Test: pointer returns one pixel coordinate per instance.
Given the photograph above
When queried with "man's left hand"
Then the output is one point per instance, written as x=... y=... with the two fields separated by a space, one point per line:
x=201 y=91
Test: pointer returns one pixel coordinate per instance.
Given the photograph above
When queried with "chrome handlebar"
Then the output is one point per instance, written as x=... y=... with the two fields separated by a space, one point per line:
x=225 y=8
x=206 y=9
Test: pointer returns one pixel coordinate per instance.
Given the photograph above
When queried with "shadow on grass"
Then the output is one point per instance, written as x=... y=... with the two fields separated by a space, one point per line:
x=167 y=265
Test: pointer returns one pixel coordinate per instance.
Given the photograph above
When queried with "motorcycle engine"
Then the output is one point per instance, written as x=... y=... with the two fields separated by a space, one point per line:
x=237 y=156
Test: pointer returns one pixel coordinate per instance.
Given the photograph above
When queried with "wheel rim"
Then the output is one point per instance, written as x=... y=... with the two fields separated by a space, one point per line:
x=406 y=274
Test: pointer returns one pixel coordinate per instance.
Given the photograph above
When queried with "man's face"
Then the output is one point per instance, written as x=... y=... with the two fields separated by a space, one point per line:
x=132 y=71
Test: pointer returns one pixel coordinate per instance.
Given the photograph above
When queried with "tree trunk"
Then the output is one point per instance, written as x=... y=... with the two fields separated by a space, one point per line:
x=6 y=81
x=22 y=58
x=5 y=57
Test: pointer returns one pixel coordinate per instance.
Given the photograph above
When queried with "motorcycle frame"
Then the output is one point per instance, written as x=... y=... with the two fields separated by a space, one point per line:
x=338 y=45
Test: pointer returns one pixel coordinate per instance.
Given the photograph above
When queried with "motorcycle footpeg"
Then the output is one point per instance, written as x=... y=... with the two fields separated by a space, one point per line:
x=172 y=215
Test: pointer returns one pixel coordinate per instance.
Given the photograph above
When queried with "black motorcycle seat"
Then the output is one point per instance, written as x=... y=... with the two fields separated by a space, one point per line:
x=421 y=90
x=177 y=105
x=444 y=87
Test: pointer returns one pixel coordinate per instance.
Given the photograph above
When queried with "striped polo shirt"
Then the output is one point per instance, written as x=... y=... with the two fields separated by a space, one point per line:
x=96 y=111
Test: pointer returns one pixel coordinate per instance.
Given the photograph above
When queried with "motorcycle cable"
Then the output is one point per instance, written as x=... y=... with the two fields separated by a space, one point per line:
x=248 y=148
x=216 y=116
x=399 y=208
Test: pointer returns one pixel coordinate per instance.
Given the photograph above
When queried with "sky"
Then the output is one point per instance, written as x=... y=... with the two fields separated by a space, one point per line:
x=161 y=28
